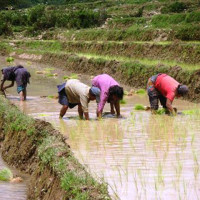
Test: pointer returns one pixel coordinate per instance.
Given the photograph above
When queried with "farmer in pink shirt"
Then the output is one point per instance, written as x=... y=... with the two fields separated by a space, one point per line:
x=164 y=88
x=111 y=92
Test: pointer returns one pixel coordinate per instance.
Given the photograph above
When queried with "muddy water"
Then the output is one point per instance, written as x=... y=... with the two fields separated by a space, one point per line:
x=11 y=191
x=141 y=156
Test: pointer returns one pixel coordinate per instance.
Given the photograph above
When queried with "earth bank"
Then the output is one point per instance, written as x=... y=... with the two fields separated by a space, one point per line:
x=36 y=148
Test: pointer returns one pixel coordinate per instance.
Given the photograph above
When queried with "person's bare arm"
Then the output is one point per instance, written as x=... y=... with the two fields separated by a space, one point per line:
x=117 y=108
x=99 y=114
x=86 y=114
x=2 y=84
x=6 y=87
x=80 y=111
x=63 y=110
x=112 y=110
x=169 y=107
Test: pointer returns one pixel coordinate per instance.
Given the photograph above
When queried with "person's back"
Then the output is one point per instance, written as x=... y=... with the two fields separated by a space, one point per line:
x=76 y=90
x=111 y=92
x=104 y=82
x=167 y=86
x=21 y=76
x=18 y=74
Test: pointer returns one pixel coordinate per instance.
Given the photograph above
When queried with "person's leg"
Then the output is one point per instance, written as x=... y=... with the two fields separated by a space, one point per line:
x=153 y=98
x=22 y=93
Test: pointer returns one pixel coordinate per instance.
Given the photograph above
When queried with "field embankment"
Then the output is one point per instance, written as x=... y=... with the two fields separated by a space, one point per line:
x=132 y=72
x=36 y=148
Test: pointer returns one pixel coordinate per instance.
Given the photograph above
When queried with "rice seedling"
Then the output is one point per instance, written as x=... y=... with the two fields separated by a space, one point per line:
x=123 y=101
x=6 y=175
x=71 y=76
x=9 y=59
x=161 y=111
x=141 y=91
x=139 y=107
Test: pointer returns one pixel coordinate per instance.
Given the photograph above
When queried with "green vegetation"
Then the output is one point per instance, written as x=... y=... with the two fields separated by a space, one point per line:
x=160 y=111
x=121 y=20
x=71 y=76
x=6 y=175
x=9 y=59
x=139 y=107
x=123 y=101
x=141 y=91
x=191 y=112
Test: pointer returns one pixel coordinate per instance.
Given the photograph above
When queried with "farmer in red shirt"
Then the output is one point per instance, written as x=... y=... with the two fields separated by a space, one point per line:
x=164 y=88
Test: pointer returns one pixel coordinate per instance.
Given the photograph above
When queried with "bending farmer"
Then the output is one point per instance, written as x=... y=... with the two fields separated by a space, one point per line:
x=18 y=74
x=164 y=88
x=111 y=92
x=73 y=93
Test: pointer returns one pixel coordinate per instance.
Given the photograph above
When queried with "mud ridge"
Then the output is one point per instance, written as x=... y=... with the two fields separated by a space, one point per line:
x=36 y=148
x=133 y=74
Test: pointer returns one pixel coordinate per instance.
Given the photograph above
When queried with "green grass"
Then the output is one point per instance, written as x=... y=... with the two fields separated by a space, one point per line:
x=148 y=62
x=6 y=174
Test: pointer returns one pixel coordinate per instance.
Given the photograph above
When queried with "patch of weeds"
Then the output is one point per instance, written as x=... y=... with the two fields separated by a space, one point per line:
x=72 y=183
x=139 y=107
x=17 y=121
x=6 y=174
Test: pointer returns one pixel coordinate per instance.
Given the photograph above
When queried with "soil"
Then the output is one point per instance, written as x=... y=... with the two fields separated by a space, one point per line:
x=44 y=184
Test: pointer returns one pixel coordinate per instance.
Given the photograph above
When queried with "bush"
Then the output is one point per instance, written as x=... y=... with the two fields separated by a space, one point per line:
x=175 y=7
x=162 y=21
x=193 y=17
x=187 y=33
x=5 y=29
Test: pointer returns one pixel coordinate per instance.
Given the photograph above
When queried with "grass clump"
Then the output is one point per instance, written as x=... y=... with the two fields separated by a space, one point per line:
x=139 y=107
x=6 y=174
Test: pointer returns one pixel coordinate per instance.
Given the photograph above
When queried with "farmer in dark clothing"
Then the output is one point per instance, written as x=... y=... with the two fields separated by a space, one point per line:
x=164 y=88
x=18 y=74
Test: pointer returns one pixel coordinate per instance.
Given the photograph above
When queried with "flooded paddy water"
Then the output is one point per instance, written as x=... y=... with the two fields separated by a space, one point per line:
x=13 y=191
x=140 y=156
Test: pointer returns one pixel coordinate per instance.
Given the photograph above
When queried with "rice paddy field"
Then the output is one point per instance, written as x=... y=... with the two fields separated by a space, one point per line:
x=140 y=156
